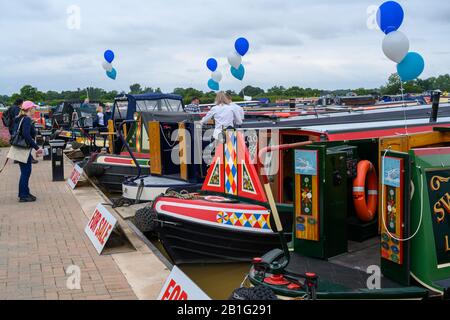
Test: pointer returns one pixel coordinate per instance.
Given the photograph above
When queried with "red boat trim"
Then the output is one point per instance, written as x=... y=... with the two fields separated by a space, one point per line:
x=346 y=136
x=137 y=155
x=225 y=216
x=431 y=151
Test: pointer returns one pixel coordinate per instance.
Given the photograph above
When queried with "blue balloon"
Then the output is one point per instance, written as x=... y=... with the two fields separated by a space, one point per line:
x=242 y=46
x=238 y=73
x=411 y=66
x=112 y=74
x=109 y=56
x=390 y=16
x=212 y=64
x=213 y=85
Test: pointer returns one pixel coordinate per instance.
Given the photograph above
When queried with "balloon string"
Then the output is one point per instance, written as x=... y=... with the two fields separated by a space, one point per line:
x=404 y=105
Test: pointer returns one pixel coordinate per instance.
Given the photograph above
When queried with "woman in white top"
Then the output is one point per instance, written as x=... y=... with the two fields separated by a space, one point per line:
x=224 y=114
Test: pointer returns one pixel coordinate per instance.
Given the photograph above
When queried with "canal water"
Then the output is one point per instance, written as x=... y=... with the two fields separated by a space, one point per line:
x=218 y=281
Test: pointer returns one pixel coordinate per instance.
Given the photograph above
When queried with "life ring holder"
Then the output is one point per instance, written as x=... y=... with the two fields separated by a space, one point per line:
x=365 y=191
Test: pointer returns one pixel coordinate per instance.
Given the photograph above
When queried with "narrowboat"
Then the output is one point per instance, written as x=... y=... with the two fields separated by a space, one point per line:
x=237 y=221
x=356 y=248
x=129 y=152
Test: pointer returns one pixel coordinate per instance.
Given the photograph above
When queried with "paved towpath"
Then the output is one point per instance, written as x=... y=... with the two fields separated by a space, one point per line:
x=39 y=242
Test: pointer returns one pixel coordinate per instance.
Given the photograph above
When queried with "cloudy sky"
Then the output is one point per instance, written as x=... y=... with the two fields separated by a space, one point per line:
x=165 y=43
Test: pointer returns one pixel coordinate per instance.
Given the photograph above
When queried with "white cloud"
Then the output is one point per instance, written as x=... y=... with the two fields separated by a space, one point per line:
x=165 y=43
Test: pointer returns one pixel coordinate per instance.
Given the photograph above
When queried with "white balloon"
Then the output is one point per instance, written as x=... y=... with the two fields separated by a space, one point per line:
x=107 y=66
x=396 y=46
x=217 y=76
x=235 y=59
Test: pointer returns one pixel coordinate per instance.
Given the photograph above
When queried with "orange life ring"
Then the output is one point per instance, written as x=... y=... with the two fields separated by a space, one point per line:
x=366 y=209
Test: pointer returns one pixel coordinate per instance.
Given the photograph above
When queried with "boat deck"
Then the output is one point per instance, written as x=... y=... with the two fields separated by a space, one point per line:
x=346 y=272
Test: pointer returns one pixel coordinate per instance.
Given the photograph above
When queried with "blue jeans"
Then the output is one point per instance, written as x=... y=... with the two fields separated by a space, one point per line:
x=25 y=174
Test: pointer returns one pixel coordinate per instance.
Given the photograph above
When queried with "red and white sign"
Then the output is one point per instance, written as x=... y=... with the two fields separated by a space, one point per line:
x=100 y=227
x=75 y=176
x=179 y=287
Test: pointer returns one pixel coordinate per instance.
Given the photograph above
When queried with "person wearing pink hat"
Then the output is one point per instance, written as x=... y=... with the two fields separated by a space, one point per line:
x=24 y=123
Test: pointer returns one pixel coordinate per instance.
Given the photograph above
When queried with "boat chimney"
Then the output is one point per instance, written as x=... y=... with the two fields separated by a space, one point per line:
x=436 y=97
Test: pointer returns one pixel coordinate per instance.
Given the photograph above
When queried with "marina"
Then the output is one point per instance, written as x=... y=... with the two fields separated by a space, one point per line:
x=241 y=193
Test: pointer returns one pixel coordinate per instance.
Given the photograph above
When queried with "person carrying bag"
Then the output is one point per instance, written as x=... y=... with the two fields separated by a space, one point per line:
x=22 y=142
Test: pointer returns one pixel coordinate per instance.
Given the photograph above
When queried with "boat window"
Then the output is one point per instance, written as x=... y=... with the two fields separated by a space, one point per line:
x=147 y=105
x=121 y=109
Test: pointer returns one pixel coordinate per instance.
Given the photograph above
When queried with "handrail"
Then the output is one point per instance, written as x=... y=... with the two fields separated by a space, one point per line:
x=120 y=132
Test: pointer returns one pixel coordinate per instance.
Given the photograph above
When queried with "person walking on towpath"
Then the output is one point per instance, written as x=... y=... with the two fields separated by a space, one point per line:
x=23 y=124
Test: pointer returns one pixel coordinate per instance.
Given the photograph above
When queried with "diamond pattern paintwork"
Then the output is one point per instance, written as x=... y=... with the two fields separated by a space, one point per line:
x=247 y=220
x=231 y=170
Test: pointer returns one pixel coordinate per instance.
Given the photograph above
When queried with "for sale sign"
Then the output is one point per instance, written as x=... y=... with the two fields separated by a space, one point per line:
x=100 y=227
x=179 y=287
x=75 y=176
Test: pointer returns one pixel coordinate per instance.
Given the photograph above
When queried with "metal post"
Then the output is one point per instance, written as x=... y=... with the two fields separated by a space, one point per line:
x=436 y=96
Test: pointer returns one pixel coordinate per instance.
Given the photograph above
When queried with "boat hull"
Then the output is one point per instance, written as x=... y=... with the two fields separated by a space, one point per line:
x=153 y=187
x=111 y=171
x=199 y=231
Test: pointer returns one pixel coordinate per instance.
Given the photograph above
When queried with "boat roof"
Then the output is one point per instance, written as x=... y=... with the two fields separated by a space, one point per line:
x=149 y=96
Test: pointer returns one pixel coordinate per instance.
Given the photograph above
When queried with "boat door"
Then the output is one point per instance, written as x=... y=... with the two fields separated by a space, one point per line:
x=395 y=198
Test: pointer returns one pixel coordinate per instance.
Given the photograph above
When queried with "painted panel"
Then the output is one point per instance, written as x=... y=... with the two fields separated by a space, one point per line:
x=307 y=195
x=392 y=248
x=231 y=166
x=439 y=196
x=155 y=147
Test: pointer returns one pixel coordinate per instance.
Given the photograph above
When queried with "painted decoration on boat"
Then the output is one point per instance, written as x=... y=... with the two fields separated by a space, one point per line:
x=215 y=177
x=249 y=183
x=439 y=195
x=391 y=172
x=258 y=221
x=238 y=216
x=306 y=162
x=231 y=169
x=214 y=181
x=307 y=195
x=392 y=231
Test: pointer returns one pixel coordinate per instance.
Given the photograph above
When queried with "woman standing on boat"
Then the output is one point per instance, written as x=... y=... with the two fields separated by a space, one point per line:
x=225 y=115
x=24 y=123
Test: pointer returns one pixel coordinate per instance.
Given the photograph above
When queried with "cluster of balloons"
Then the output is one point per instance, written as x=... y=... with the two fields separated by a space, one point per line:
x=410 y=65
x=111 y=72
x=235 y=58
x=216 y=76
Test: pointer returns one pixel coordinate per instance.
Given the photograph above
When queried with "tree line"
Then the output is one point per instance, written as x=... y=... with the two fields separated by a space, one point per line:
x=392 y=87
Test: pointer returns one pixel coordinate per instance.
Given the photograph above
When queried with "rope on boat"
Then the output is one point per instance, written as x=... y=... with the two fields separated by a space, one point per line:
x=171 y=145
x=182 y=195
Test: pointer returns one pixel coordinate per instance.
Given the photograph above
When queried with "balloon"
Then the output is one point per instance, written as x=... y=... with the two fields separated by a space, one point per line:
x=238 y=73
x=217 y=76
x=112 y=74
x=390 y=16
x=109 y=56
x=212 y=64
x=242 y=46
x=235 y=59
x=396 y=46
x=411 y=67
x=107 y=66
x=213 y=85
